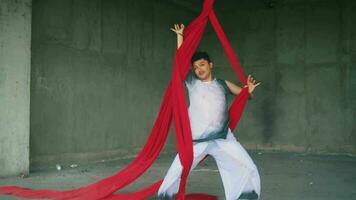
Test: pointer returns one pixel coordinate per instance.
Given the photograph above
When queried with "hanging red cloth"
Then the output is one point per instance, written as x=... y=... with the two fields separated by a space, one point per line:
x=173 y=105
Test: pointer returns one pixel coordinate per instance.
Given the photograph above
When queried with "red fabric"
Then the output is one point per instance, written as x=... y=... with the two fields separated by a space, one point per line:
x=173 y=106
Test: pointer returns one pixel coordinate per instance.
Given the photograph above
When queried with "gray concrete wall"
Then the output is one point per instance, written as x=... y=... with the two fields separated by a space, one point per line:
x=99 y=70
x=15 y=63
x=304 y=53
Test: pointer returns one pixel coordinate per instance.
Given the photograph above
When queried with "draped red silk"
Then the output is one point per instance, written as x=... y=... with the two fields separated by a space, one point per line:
x=173 y=106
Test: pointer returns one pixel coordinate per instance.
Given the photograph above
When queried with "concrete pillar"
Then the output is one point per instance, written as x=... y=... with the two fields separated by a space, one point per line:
x=15 y=70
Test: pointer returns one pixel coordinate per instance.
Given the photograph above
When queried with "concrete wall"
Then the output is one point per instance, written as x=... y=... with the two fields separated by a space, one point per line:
x=304 y=52
x=99 y=70
x=15 y=60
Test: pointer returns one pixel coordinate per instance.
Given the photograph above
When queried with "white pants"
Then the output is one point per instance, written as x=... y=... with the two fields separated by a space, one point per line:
x=237 y=170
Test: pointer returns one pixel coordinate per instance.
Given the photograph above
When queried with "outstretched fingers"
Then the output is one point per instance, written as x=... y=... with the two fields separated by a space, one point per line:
x=178 y=28
x=252 y=81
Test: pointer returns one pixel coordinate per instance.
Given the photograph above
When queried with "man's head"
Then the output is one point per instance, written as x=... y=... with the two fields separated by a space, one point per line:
x=202 y=65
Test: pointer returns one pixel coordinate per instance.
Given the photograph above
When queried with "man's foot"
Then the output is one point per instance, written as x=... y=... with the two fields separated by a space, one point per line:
x=248 y=196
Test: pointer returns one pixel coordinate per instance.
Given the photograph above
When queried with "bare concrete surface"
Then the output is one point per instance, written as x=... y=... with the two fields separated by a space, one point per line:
x=284 y=176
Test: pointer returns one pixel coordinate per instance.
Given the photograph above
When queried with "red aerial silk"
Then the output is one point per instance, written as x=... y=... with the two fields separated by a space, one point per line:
x=173 y=105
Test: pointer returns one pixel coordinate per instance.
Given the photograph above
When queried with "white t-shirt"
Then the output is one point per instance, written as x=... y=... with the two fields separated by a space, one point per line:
x=207 y=109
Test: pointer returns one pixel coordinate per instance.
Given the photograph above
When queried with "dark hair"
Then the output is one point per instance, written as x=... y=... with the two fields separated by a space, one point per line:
x=200 y=55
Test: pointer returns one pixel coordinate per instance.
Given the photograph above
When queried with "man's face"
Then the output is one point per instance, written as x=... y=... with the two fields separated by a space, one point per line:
x=202 y=68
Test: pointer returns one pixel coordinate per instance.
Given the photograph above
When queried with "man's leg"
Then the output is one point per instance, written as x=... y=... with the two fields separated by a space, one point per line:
x=170 y=184
x=237 y=170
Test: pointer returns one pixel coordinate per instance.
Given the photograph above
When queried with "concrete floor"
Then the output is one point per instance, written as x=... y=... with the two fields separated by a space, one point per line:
x=284 y=176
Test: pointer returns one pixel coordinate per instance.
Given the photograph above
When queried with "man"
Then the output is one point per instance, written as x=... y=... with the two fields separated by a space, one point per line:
x=208 y=114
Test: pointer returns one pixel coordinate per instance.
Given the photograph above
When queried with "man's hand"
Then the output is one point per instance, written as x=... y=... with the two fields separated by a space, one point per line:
x=178 y=29
x=251 y=84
